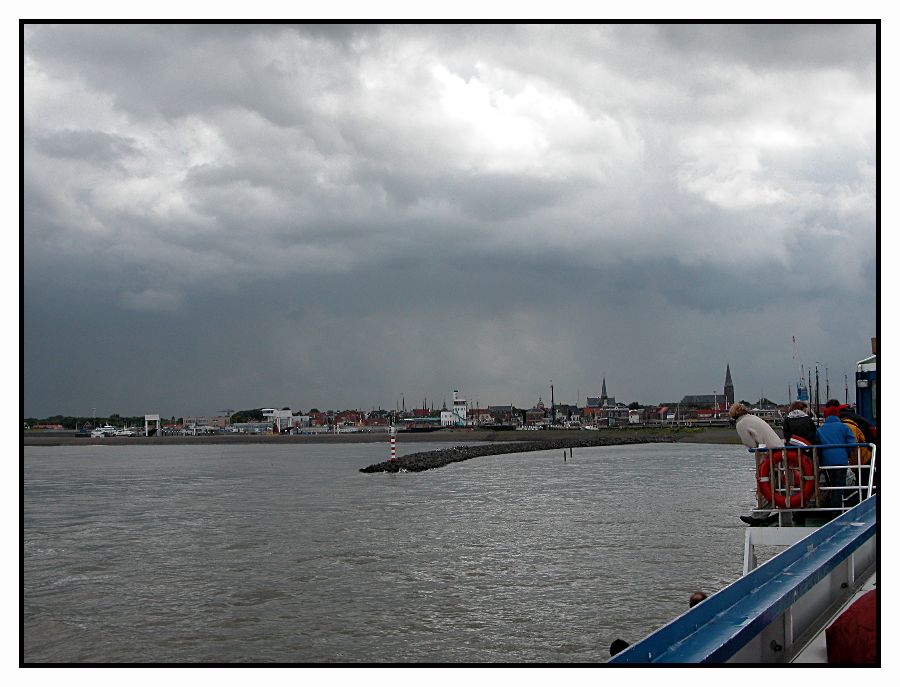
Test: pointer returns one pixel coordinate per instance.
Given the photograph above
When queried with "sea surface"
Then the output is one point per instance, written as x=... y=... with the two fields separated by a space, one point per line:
x=287 y=553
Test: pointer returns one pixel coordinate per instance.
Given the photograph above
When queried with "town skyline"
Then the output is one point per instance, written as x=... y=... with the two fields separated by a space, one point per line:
x=826 y=390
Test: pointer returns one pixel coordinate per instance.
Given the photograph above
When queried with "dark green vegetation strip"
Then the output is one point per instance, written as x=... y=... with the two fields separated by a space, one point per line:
x=428 y=460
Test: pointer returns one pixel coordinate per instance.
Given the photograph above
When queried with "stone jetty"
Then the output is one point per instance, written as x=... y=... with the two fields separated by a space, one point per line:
x=428 y=460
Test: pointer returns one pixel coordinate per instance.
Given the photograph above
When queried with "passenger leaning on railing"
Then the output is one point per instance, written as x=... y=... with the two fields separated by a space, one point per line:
x=833 y=431
x=755 y=432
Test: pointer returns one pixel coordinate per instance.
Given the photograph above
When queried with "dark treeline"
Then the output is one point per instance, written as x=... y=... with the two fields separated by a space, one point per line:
x=117 y=420
x=79 y=421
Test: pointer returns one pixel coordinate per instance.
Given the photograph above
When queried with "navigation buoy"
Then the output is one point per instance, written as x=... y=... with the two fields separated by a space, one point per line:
x=393 y=445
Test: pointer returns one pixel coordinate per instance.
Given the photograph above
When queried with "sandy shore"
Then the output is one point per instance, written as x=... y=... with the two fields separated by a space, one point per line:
x=714 y=435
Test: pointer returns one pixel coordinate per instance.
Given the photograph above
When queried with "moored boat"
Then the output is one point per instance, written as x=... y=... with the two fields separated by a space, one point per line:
x=104 y=431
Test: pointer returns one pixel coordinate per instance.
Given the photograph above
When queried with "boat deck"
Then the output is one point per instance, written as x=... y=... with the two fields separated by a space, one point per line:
x=816 y=651
x=777 y=612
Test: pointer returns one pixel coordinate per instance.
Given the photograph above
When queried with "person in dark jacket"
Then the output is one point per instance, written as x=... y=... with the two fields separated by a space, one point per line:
x=868 y=429
x=799 y=423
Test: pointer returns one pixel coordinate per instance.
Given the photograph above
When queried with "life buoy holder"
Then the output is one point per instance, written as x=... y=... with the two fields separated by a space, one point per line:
x=803 y=473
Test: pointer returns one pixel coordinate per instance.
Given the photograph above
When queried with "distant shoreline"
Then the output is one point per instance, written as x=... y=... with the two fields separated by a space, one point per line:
x=705 y=435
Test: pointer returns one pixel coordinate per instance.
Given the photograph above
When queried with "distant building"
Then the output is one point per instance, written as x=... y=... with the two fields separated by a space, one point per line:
x=567 y=413
x=718 y=402
x=375 y=420
x=279 y=420
x=205 y=421
x=459 y=410
x=504 y=415
x=348 y=418
x=251 y=427
x=457 y=415
x=701 y=401
x=602 y=400
x=729 y=387
x=480 y=416
x=537 y=415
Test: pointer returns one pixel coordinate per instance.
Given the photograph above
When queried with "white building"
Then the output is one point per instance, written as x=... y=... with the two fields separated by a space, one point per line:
x=282 y=420
x=458 y=417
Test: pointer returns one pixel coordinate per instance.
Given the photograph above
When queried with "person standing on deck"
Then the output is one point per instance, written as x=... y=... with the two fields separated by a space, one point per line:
x=865 y=433
x=799 y=423
x=755 y=433
x=833 y=431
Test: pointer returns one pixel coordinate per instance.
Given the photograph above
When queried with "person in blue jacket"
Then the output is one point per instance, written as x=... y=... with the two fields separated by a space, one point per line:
x=833 y=431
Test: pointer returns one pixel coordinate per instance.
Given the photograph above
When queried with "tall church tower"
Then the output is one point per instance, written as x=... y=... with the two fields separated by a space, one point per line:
x=604 y=399
x=729 y=387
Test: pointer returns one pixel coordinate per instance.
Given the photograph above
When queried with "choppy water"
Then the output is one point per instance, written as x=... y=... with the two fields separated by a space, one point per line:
x=261 y=553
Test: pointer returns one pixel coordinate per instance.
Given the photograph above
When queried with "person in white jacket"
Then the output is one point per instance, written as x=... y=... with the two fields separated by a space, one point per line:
x=755 y=433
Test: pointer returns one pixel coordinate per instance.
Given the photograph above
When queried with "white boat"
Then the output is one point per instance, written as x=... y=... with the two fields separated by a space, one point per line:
x=779 y=612
x=104 y=431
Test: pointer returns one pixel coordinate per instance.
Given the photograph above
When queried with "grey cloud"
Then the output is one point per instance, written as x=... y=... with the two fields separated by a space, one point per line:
x=97 y=147
x=792 y=45
x=337 y=215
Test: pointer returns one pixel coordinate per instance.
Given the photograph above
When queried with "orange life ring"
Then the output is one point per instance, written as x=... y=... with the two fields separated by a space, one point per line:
x=803 y=472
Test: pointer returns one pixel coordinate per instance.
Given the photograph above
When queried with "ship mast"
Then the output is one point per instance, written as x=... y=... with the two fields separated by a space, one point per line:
x=802 y=389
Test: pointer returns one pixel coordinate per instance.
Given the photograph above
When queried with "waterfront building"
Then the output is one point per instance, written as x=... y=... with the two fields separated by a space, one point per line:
x=457 y=415
x=459 y=410
x=348 y=418
x=504 y=415
x=204 y=421
x=480 y=416
x=280 y=420
x=537 y=415
x=566 y=413
x=251 y=427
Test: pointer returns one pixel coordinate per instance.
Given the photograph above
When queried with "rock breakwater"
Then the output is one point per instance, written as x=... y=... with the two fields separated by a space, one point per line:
x=429 y=460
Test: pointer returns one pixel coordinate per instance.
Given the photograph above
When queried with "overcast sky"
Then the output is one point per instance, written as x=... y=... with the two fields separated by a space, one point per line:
x=242 y=216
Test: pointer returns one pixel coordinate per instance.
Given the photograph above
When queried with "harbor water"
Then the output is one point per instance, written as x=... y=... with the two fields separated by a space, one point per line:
x=287 y=553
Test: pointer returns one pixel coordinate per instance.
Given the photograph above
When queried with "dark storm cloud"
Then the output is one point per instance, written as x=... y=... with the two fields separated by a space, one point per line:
x=792 y=46
x=96 y=147
x=323 y=215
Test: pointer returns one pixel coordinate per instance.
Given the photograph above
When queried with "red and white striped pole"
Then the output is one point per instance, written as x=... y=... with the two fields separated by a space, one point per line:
x=393 y=445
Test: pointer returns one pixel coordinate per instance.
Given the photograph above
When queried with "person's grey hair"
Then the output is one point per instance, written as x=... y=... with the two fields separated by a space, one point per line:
x=737 y=410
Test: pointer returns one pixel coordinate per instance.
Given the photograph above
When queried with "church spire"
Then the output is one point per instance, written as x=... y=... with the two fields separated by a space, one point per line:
x=603 y=396
x=729 y=387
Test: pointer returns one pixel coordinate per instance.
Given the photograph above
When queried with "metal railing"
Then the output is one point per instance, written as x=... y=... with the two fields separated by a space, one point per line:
x=785 y=476
x=772 y=613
